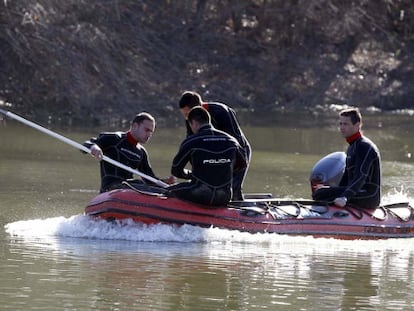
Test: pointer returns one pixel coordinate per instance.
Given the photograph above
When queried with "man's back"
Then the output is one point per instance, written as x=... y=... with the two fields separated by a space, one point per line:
x=212 y=154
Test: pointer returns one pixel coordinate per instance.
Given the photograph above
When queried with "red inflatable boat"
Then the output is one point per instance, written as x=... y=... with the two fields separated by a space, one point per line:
x=265 y=215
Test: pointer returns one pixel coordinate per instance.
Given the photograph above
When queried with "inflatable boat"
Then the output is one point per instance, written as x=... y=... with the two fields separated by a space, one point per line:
x=262 y=213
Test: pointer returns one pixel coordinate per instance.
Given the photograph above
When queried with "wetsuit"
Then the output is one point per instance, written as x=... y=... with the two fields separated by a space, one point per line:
x=214 y=155
x=224 y=118
x=121 y=147
x=361 y=182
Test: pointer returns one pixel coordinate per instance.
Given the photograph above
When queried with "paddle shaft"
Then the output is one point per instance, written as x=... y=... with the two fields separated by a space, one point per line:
x=81 y=147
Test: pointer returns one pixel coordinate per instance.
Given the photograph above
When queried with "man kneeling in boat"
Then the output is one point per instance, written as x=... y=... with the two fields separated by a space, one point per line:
x=126 y=148
x=361 y=183
x=213 y=155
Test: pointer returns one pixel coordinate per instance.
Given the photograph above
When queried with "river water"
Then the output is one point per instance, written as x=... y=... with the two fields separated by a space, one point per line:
x=52 y=257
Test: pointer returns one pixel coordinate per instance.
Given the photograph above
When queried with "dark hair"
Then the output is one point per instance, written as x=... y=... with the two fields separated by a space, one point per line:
x=140 y=117
x=199 y=114
x=353 y=113
x=190 y=99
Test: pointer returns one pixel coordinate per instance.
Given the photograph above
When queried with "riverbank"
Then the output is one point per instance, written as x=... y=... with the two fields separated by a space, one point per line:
x=97 y=62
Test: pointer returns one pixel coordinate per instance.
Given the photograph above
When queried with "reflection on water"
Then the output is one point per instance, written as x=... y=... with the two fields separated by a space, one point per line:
x=53 y=257
x=108 y=265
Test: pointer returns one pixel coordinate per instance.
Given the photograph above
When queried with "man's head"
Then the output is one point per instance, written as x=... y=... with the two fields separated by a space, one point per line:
x=189 y=100
x=197 y=117
x=142 y=127
x=350 y=122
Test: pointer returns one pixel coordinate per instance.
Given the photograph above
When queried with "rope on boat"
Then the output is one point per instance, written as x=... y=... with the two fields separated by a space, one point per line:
x=401 y=218
x=358 y=212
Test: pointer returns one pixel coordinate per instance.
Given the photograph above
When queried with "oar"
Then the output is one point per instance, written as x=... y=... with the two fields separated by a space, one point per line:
x=81 y=147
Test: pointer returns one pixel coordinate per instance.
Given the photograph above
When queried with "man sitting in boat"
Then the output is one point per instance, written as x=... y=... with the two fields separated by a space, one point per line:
x=361 y=183
x=126 y=148
x=214 y=155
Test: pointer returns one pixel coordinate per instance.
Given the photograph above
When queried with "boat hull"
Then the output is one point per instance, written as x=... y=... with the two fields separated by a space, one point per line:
x=269 y=215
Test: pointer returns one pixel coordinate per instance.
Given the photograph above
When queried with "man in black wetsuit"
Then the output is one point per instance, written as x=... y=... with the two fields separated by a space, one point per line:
x=214 y=155
x=224 y=119
x=361 y=183
x=126 y=148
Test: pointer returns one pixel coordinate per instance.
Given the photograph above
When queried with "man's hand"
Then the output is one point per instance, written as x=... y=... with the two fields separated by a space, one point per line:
x=96 y=152
x=170 y=180
x=341 y=201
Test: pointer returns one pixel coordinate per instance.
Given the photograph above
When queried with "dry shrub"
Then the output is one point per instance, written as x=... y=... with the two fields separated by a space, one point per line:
x=105 y=60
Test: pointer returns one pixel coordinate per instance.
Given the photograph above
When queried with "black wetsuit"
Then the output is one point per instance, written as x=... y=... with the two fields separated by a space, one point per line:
x=214 y=155
x=361 y=182
x=224 y=119
x=121 y=147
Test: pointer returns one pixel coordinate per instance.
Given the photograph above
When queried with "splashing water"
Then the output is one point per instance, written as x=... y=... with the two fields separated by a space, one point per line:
x=85 y=227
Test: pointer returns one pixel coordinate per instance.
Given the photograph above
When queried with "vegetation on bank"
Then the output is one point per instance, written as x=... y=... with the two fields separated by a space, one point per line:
x=104 y=60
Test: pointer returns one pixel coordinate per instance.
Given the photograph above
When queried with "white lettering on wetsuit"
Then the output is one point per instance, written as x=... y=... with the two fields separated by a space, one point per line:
x=216 y=161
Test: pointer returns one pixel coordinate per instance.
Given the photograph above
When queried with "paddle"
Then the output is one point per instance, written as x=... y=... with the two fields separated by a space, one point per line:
x=81 y=147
